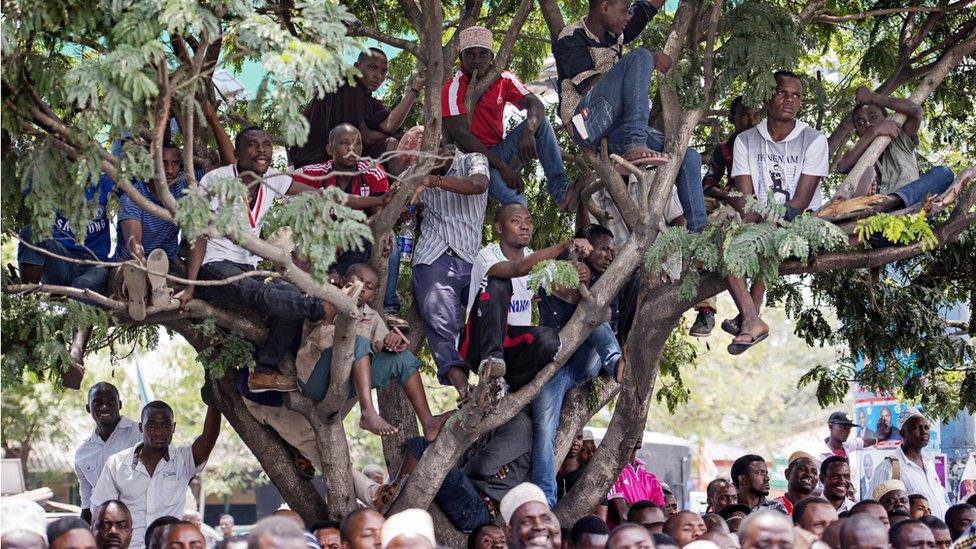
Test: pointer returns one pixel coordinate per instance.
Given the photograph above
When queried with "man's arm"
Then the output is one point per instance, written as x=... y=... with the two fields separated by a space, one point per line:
x=224 y=145
x=805 y=188
x=522 y=267
x=535 y=113
x=641 y=13
x=849 y=159
x=459 y=128
x=194 y=260
x=132 y=236
x=913 y=113
x=618 y=506
x=204 y=444
x=716 y=172
x=399 y=113
x=84 y=492
x=106 y=488
x=507 y=444
x=743 y=185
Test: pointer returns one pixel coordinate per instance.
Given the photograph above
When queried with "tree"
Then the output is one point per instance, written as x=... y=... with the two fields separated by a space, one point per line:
x=76 y=74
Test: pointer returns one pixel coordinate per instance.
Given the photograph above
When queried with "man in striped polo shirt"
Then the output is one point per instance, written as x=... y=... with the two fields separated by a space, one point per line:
x=482 y=130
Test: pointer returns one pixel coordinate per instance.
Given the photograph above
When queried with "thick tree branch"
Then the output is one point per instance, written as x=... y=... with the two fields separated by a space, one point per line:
x=838 y=19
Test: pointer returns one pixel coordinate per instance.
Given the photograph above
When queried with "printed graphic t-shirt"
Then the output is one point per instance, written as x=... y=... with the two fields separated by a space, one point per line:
x=520 y=307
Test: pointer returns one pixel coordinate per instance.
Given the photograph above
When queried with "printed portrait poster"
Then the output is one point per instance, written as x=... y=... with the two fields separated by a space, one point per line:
x=967 y=485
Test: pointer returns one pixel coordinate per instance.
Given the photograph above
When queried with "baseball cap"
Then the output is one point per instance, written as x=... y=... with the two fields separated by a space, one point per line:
x=841 y=419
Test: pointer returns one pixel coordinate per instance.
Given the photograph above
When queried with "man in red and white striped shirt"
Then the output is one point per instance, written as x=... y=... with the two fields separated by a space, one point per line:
x=482 y=130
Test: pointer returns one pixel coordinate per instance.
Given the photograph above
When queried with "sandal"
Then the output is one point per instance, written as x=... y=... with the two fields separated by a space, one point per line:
x=737 y=348
x=386 y=494
x=732 y=326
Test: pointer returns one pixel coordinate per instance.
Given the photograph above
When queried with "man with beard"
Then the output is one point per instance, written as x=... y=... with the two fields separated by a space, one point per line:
x=113 y=433
x=801 y=477
x=892 y=496
x=751 y=479
x=835 y=475
x=354 y=104
x=112 y=525
x=911 y=464
x=152 y=477
x=814 y=515
x=283 y=305
x=720 y=493
x=530 y=522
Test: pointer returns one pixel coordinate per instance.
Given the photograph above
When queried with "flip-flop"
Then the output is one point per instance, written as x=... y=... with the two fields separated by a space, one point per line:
x=739 y=348
x=643 y=162
x=731 y=326
x=135 y=288
x=159 y=293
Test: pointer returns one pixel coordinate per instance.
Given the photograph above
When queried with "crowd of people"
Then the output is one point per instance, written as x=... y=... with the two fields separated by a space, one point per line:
x=474 y=300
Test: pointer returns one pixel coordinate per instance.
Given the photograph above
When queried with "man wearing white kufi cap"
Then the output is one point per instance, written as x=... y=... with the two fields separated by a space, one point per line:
x=22 y=525
x=410 y=529
x=530 y=522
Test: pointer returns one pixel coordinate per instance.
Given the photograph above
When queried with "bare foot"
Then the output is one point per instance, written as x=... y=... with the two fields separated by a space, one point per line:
x=376 y=425
x=753 y=331
x=621 y=364
x=432 y=427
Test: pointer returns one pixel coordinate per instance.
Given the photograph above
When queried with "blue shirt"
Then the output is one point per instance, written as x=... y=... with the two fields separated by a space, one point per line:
x=98 y=233
x=156 y=233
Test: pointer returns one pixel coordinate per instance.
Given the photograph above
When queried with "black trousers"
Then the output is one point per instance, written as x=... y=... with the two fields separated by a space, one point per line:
x=525 y=349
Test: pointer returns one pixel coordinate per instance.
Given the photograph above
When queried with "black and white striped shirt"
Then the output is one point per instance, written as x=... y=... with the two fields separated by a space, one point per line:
x=453 y=220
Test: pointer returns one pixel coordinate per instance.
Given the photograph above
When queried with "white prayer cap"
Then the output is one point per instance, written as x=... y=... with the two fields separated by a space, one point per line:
x=518 y=496
x=412 y=522
x=20 y=515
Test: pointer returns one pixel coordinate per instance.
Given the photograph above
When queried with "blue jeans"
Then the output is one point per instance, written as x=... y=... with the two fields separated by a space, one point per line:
x=440 y=293
x=600 y=351
x=618 y=110
x=549 y=156
x=932 y=182
x=457 y=496
x=59 y=272
x=391 y=301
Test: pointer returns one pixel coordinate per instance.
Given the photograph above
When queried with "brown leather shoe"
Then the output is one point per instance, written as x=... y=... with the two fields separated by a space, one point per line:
x=262 y=382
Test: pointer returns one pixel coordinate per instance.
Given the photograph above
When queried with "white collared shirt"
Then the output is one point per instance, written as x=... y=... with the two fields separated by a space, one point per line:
x=91 y=456
x=125 y=478
x=917 y=480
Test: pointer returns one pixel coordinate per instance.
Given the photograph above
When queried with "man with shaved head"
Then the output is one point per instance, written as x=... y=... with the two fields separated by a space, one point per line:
x=113 y=433
x=766 y=529
x=911 y=534
x=863 y=531
x=112 y=525
x=685 y=527
x=719 y=493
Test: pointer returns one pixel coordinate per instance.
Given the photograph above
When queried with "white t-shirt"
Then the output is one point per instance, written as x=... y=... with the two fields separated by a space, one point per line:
x=520 y=307
x=776 y=166
x=275 y=184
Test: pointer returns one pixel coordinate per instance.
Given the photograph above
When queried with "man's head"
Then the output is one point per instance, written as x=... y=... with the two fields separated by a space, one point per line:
x=831 y=534
x=112 y=525
x=870 y=507
x=69 y=533
x=767 y=529
x=345 y=146
x=104 y=404
x=891 y=494
x=362 y=272
x=154 y=532
x=226 y=525
x=750 y=476
x=293 y=516
x=734 y=514
x=588 y=532
x=630 y=536
x=724 y=540
x=787 y=97
x=720 y=493
x=913 y=428
x=476 y=50
x=863 y=531
x=742 y=116
x=487 y=536
x=911 y=534
x=602 y=241
x=670 y=504
x=835 y=473
x=409 y=529
x=714 y=522
x=840 y=426
x=801 y=474
x=612 y=15
x=533 y=525
x=277 y=532
x=157 y=426
x=918 y=506
x=361 y=529
x=193 y=516
x=864 y=116
x=172 y=163
x=326 y=532
x=685 y=527
x=959 y=517
x=253 y=148
x=940 y=531
x=646 y=514
x=183 y=535
x=372 y=64
x=814 y=514
x=513 y=225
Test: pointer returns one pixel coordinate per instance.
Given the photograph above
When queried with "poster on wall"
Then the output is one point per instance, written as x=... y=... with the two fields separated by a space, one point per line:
x=967 y=484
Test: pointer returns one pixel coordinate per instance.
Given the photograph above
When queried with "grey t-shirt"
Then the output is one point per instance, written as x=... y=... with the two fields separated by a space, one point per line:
x=897 y=165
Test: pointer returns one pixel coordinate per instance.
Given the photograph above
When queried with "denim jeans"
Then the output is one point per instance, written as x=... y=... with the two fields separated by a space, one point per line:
x=457 y=497
x=932 y=182
x=284 y=307
x=549 y=156
x=600 y=351
x=59 y=272
x=618 y=110
x=440 y=293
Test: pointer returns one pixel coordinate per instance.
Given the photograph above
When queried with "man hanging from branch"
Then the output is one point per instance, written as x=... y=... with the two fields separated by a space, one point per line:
x=482 y=129
x=781 y=159
x=218 y=258
x=896 y=174
x=603 y=95
x=354 y=104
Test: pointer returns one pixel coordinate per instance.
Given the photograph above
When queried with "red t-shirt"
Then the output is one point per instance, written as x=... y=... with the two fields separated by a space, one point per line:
x=369 y=181
x=486 y=122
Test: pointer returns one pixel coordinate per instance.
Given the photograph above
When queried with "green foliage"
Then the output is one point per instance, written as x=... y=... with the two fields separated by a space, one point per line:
x=553 y=274
x=228 y=351
x=898 y=229
x=678 y=353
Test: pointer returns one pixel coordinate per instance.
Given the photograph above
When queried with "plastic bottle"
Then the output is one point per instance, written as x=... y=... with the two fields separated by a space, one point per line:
x=405 y=237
